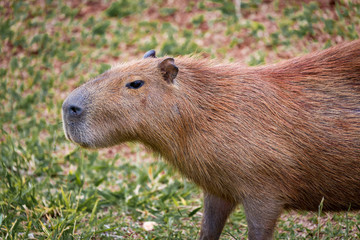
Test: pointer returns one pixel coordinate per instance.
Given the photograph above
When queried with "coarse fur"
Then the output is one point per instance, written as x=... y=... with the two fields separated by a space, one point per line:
x=282 y=136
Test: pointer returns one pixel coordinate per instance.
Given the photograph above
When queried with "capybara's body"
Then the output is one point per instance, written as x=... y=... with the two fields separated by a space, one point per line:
x=283 y=136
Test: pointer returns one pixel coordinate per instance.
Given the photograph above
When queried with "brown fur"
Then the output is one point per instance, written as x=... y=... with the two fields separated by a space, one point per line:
x=272 y=137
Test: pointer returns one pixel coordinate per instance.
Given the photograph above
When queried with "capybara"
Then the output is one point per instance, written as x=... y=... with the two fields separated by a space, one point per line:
x=282 y=136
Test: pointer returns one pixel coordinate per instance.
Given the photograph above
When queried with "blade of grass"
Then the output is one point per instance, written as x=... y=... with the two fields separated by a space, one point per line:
x=93 y=213
x=318 y=219
x=44 y=228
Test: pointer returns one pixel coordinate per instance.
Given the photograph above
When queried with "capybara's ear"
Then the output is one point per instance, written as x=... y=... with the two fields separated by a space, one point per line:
x=150 y=54
x=168 y=69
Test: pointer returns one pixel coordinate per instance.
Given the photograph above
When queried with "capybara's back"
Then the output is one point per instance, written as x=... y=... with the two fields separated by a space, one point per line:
x=283 y=136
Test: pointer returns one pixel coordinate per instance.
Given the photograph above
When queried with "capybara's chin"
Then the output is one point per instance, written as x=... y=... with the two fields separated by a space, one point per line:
x=76 y=135
x=83 y=136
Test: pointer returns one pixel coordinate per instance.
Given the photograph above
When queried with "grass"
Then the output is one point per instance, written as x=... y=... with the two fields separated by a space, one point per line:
x=51 y=189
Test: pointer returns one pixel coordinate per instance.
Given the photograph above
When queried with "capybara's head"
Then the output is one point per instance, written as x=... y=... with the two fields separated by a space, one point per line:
x=122 y=103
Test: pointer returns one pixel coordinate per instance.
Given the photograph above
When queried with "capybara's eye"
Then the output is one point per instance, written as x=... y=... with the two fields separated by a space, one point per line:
x=135 y=84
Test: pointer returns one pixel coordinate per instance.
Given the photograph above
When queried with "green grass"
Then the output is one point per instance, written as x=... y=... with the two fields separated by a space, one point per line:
x=51 y=189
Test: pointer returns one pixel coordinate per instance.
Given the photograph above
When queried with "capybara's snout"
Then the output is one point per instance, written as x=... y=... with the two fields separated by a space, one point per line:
x=74 y=117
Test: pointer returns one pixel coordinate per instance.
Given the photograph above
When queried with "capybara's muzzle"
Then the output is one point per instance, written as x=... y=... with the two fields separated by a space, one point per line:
x=73 y=114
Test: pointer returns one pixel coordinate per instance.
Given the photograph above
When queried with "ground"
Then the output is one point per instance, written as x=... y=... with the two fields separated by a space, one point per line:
x=50 y=188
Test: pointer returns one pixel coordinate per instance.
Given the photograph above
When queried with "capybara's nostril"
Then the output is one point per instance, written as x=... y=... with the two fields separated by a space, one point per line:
x=75 y=111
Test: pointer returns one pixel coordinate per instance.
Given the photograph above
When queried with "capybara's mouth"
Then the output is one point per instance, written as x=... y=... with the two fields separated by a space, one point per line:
x=67 y=135
x=73 y=134
x=76 y=139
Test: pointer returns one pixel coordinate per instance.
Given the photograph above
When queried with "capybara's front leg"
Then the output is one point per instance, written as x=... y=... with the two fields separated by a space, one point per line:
x=216 y=211
x=261 y=215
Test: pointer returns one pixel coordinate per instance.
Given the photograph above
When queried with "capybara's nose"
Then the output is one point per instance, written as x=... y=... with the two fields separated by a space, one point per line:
x=74 y=106
x=74 y=111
